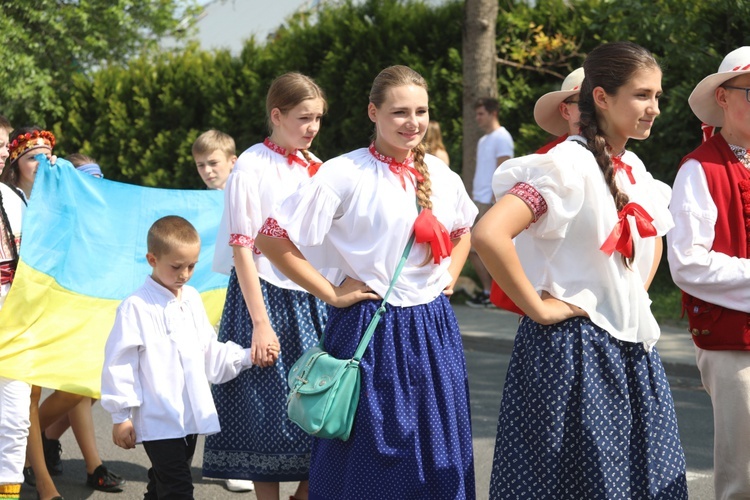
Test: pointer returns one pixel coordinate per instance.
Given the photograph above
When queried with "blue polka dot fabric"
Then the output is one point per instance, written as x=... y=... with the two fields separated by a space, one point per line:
x=412 y=432
x=257 y=441
x=585 y=416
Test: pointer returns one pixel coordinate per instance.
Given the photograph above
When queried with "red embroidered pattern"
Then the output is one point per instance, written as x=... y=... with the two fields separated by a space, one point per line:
x=531 y=197
x=291 y=156
x=241 y=240
x=272 y=229
x=744 y=186
x=398 y=168
x=459 y=232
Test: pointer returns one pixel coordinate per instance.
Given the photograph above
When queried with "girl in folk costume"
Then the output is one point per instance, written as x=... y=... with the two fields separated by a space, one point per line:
x=586 y=409
x=264 y=308
x=412 y=433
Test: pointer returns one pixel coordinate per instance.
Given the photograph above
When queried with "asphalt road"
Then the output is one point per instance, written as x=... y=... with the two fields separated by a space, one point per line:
x=487 y=367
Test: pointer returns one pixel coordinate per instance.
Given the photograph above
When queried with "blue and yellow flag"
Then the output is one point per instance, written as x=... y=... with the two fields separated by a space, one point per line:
x=83 y=250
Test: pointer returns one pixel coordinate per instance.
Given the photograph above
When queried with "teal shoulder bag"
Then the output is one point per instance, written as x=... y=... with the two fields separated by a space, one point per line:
x=323 y=390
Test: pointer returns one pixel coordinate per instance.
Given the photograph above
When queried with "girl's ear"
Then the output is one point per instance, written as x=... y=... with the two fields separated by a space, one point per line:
x=372 y=112
x=276 y=116
x=601 y=99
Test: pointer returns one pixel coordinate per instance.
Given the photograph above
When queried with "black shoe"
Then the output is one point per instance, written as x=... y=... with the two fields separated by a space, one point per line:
x=104 y=480
x=52 y=453
x=480 y=301
x=28 y=476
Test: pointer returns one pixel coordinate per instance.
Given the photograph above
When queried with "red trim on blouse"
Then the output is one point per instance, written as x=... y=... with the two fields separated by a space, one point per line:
x=402 y=169
x=272 y=229
x=457 y=233
x=531 y=197
x=241 y=240
x=291 y=157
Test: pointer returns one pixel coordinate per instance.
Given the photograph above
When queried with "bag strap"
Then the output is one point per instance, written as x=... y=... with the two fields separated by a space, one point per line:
x=381 y=310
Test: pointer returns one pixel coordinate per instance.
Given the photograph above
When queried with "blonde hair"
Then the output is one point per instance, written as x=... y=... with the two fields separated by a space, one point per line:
x=212 y=140
x=397 y=76
x=169 y=232
x=433 y=139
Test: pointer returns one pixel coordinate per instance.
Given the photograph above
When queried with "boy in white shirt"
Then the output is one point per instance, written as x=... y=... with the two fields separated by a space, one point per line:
x=160 y=357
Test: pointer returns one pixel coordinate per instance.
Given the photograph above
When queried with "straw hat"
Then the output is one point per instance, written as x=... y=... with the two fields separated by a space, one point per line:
x=546 y=112
x=702 y=100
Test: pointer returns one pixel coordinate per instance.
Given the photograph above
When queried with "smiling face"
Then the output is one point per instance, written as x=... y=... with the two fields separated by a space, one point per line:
x=214 y=167
x=401 y=120
x=174 y=269
x=631 y=111
x=297 y=128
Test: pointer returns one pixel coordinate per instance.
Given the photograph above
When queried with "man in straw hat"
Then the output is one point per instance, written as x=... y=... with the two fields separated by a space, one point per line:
x=557 y=112
x=708 y=256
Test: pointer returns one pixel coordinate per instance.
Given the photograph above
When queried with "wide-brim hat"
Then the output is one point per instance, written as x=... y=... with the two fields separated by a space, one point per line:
x=546 y=109
x=703 y=101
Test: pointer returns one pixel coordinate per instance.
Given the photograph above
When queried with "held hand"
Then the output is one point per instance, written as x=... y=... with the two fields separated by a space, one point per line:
x=352 y=291
x=123 y=435
x=555 y=310
x=265 y=347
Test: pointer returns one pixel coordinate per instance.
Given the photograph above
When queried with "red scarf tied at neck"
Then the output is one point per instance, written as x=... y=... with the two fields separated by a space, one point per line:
x=618 y=164
x=291 y=157
x=620 y=238
x=399 y=168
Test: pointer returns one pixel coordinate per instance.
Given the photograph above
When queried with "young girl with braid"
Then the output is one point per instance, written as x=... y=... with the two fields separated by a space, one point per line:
x=264 y=309
x=412 y=431
x=587 y=410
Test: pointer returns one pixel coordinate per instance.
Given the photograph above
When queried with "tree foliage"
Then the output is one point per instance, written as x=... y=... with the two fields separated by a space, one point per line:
x=46 y=42
x=139 y=118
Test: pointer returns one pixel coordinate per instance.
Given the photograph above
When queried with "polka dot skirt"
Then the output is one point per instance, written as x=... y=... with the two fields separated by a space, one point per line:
x=412 y=433
x=585 y=415
x=257 y=441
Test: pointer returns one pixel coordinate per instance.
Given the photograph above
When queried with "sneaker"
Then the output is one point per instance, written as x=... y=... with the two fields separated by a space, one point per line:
x=104 y=480
x=28 y=476
x=239 y=485
x=480 y=301
x=52 y=455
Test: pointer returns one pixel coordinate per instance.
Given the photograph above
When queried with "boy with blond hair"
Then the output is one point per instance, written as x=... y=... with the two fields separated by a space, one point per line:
x=159 y=359
x=214 y=154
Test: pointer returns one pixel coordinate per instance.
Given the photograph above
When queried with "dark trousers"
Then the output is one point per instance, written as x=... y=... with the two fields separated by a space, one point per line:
x=169 y=477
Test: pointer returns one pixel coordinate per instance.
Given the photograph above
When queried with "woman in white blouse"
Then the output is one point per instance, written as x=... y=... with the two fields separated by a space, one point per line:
x=412 y=432
x=586 y=409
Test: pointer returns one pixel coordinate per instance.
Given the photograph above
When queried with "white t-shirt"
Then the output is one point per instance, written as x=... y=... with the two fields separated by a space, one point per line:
x=560 y=252
x=360 y=217
x=158 y=361
x=490 y=147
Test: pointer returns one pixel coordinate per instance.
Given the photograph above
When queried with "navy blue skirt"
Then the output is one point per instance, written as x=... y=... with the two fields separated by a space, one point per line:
x=412 y=432
x=257 y=441
x=585 y=415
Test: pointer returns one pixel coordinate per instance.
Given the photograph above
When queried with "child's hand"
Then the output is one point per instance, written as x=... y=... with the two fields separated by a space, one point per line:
x=265 y=348
x=123 y=435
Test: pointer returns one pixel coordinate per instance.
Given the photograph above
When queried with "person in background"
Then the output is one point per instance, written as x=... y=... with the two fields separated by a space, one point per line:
x=493 y=148
x=214 y=155
x=433 y=141
x=557 y=112
x=85 y=164
x=710 y=261
x=5 y=130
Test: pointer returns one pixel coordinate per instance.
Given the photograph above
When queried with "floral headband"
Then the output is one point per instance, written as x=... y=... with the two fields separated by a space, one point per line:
x=28 y=141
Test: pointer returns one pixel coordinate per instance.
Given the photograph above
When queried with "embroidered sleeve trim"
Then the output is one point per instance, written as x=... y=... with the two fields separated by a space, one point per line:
x=459 y=232
x=531 y=197
x=272 y=229
x=241 y=240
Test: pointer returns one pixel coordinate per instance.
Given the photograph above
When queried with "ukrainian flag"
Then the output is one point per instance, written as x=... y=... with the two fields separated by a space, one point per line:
x=83 y=250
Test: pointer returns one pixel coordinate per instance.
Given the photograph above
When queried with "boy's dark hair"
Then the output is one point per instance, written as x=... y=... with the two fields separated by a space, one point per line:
x=169 y=232
x=491 y=104
x=211 y=140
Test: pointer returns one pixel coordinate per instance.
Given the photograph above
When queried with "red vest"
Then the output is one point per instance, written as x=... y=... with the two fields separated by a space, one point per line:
x=715 y=327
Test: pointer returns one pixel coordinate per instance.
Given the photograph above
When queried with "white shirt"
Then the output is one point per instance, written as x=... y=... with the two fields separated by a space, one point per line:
x=560 y=252
x=158 y=361
x=15 y=208
x=706 y=274
x=490 y=147
x=260 y=180
x=357 y=213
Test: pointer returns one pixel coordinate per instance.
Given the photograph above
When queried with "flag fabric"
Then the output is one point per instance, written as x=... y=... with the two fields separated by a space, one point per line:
x=83 y=250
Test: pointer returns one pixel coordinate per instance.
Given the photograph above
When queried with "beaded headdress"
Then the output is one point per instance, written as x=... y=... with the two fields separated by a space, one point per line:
x=28 y=141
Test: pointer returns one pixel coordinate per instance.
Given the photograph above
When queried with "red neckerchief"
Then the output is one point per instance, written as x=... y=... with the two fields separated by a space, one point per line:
x=620 y=238
x=291 y=157
x=618 y=164
x=398 y=168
